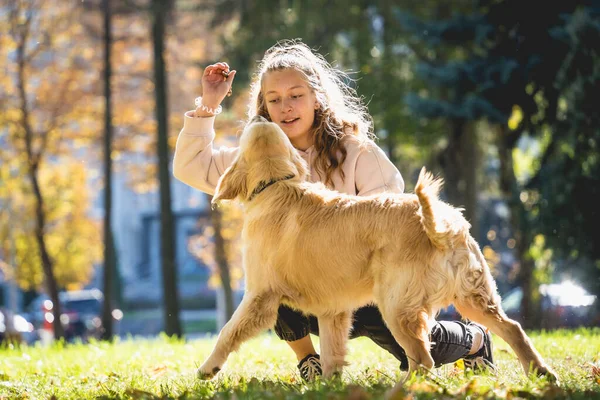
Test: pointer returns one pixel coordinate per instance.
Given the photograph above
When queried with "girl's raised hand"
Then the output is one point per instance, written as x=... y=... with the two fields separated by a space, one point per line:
x=216 y=83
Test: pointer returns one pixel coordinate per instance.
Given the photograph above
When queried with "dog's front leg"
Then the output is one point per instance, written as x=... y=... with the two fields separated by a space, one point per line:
x=256 y=313
x=334 y=331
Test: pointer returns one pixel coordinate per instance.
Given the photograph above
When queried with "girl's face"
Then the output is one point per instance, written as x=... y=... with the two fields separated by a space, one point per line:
x=291 y=104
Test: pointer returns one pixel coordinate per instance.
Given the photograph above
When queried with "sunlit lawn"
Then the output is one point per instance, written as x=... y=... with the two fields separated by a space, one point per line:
x=265 y=368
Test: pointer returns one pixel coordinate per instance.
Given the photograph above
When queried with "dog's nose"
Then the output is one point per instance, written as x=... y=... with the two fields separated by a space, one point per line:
x=258 y=118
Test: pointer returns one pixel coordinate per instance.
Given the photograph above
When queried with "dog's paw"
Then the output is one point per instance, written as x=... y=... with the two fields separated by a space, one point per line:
x=332 y=375
x=206 y=374
x=544 y=370
x=332 y=372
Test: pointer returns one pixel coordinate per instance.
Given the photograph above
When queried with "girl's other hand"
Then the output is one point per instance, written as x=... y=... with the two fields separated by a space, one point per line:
x=216 y=82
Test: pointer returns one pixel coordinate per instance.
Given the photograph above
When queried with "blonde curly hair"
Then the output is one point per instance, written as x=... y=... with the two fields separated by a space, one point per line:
x=341 y=111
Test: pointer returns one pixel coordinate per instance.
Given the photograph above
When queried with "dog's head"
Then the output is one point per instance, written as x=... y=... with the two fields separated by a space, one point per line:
x=266 y=156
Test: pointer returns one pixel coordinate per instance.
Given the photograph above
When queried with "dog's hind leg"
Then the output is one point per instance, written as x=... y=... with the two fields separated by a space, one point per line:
x=410 y=330
x=256 y=313
x=402 y=303
x=490 y=314
x=407 y=319
x=334 y=331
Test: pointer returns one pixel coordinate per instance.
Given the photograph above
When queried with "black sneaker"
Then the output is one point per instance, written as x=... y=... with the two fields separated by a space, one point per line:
x=310 y=367
x=483 y=360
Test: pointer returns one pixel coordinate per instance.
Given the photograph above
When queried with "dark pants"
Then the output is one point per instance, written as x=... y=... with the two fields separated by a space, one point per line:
x=450 y=340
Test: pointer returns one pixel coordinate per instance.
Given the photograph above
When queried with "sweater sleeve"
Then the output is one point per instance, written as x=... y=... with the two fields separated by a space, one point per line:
x=196 y=163
x=375 y=173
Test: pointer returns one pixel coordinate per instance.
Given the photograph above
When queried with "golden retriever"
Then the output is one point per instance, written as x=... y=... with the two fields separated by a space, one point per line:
x=327 y=253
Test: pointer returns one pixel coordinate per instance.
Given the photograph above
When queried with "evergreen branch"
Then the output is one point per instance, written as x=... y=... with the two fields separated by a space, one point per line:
x=535 y=180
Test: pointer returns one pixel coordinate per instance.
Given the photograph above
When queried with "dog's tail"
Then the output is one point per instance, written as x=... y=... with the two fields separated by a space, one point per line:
x=427 y=190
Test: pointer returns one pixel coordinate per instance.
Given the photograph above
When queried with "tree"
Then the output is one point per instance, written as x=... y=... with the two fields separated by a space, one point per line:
x=109 y=247
x=33 y=171
x=41 y=100
x=73 y=238
x=159 y=11
x=134 y=90
x=569 y=170
x=443 y=40
x=222 y=262
x=506 y=75
x=218 y=246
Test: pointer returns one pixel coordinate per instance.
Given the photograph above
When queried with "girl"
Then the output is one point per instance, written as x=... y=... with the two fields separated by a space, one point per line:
x=329 y=126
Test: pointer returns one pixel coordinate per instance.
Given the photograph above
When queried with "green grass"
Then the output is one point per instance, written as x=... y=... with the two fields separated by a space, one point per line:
x=265 y=368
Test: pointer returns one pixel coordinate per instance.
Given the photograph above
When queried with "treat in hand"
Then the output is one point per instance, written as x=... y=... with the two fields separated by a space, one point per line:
x=216 y=83
x=225 y=76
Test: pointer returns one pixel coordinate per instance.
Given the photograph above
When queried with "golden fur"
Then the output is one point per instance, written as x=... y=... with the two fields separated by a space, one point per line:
x=327 y=253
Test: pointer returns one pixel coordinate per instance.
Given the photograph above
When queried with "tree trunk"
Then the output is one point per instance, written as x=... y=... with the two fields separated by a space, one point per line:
x=117 y=284
x=109 y=258
x=34 y=160
x=459 y=160
x=47 y=264
x=169 y=267
x=222 y=263
x=511 y=193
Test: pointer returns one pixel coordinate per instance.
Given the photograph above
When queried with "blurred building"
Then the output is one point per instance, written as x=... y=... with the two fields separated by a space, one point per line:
x=136 y=229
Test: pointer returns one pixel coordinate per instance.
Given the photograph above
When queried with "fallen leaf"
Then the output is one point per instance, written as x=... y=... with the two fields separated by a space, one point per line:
x=595 y=369
x=158 y=370
x=455 y=372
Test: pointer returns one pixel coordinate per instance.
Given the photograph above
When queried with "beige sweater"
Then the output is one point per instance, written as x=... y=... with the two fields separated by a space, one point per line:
x=197 y=163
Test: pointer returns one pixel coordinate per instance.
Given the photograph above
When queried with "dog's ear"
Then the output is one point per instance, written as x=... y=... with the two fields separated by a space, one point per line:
x=231 y=185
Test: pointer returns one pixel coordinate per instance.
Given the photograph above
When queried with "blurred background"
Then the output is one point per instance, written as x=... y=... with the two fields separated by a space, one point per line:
x=98 y=239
